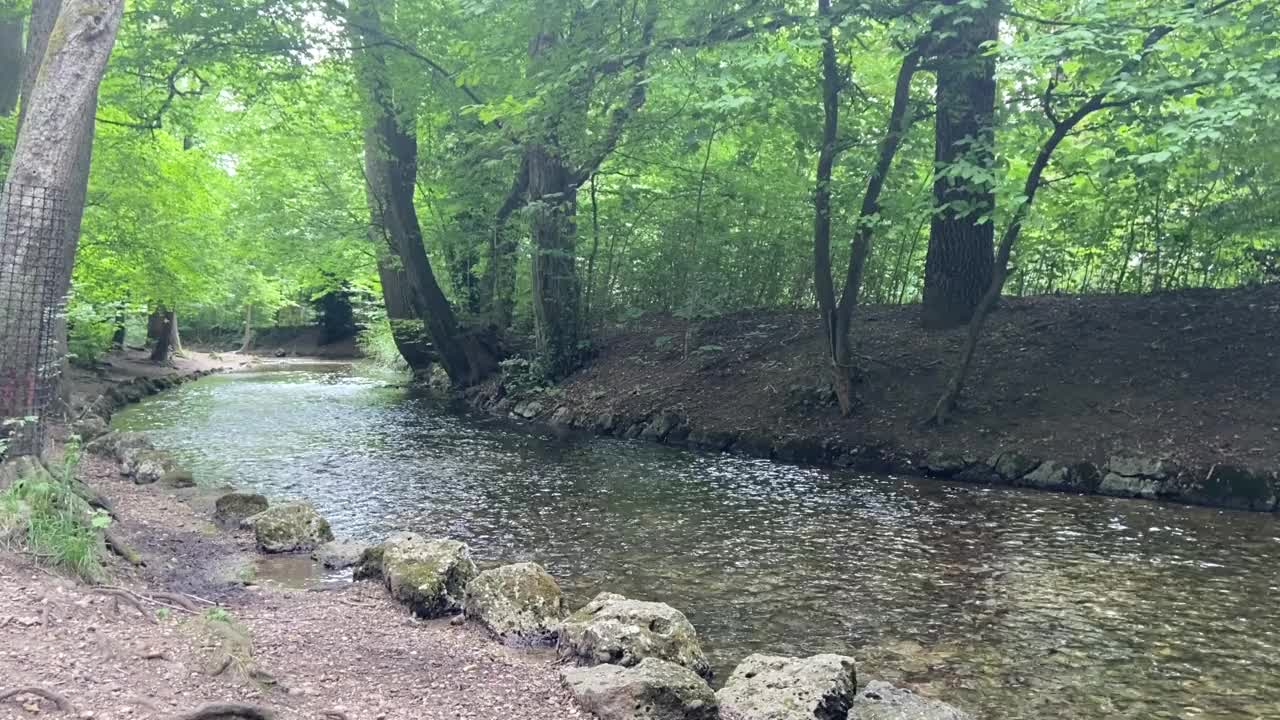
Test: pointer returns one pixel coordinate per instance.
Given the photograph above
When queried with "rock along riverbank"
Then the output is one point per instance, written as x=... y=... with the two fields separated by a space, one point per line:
x=1167 y=397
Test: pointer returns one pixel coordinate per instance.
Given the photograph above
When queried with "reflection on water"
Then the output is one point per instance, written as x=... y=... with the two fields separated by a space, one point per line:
x=1011 y=604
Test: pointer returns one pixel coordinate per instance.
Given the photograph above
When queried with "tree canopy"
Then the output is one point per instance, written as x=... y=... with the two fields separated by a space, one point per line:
x=567 y=163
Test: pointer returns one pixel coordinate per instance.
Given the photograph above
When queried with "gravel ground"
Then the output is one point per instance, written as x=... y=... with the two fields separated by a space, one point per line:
x=344 y=651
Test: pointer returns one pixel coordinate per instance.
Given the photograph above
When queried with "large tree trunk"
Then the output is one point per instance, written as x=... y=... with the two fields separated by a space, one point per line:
x=556 y=295
x=167 y=338
x=553 y=199
x=961 y=238
x=391 y=160
x=50 y=158
x=407 y=329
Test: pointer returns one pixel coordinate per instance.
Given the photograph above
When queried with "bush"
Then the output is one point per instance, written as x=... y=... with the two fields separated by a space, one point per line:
x=378 y=344
x=89 y=331
x=41 y=514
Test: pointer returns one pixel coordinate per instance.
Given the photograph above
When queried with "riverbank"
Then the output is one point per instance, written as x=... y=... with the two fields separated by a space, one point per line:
x=1169 y=396
x=192 y=626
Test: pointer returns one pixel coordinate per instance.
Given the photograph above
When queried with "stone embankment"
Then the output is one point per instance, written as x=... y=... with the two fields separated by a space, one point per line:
x=1125 y=475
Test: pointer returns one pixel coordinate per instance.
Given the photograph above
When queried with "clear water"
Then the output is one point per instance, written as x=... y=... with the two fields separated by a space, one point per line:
x=1007 y=603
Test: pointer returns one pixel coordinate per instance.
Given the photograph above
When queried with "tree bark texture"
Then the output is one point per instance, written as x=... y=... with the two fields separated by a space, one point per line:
x=958 y=265
x=51 y=157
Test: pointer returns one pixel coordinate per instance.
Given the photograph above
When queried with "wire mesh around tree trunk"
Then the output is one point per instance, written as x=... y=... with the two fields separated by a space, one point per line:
x=33 y=286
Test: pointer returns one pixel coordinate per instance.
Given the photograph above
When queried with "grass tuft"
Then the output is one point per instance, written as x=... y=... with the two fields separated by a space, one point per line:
x=41 y=514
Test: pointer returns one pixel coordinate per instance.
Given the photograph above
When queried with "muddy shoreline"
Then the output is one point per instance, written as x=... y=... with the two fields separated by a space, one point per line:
x=1164 y=398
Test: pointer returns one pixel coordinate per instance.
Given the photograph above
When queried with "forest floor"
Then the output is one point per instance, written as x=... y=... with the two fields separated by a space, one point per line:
x=337 y=651
x=1192 y=376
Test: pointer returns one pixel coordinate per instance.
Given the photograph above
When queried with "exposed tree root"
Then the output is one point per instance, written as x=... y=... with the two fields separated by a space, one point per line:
x=118 y=546
x=123 y=596
x=176 y=599
x=61 y=702
x=228 y=711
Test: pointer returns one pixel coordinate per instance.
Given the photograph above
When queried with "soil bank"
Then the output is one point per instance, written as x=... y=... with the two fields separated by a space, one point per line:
x=1169 y=396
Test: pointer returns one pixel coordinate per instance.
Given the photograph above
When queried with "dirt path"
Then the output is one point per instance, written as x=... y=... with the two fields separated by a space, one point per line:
x=190 y=629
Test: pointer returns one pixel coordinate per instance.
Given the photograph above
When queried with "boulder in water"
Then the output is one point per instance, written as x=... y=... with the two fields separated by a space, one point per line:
x=771 y=687
x=235 y=507
x=290 y=527
x=882 y=701
x=520 y=604
x=652 y=690
x=613 y=629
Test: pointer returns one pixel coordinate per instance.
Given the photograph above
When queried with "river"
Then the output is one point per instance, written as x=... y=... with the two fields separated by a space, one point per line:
x=1008 y=603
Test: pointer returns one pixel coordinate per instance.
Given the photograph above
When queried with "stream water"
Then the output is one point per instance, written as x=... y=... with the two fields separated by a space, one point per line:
x=1007 y=603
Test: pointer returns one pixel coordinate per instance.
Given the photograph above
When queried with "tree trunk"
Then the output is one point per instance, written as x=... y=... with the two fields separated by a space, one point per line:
x=407 y=330
x=118 y=337
x=391 y=160
x=50 y=159
x=837 y=316
x=248 y=329
x=166 y=338
x=958 y=265
x=555 y=275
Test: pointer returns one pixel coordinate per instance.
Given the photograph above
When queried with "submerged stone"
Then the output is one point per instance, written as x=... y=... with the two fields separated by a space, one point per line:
x=882 y=701
x=290 y=527
x=613 y=629
x=520 y=604
x=771 y=687
x=652 y=690
x=339 y=554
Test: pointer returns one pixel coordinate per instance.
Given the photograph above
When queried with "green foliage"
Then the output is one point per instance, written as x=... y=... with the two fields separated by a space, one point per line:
x=379 y=345
x=228 y=171
x=89 y=331
x=41 y=514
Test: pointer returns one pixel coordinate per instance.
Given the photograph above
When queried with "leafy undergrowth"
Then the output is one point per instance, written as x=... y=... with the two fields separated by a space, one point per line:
x=42 y=515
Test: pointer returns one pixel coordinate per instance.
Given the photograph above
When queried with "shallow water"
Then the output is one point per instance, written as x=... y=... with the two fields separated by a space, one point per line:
x=1008 y=603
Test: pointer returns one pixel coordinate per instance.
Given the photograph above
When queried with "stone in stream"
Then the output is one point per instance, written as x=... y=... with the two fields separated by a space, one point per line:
x=613 y=629
x=652 y=690
x=520 y=604
x=882 y=701
x=235 y=507
x=178 y=478
x=1078 y=477
x=771 y=687
x=430 y=576
x=290 y=527
x=339 y=554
